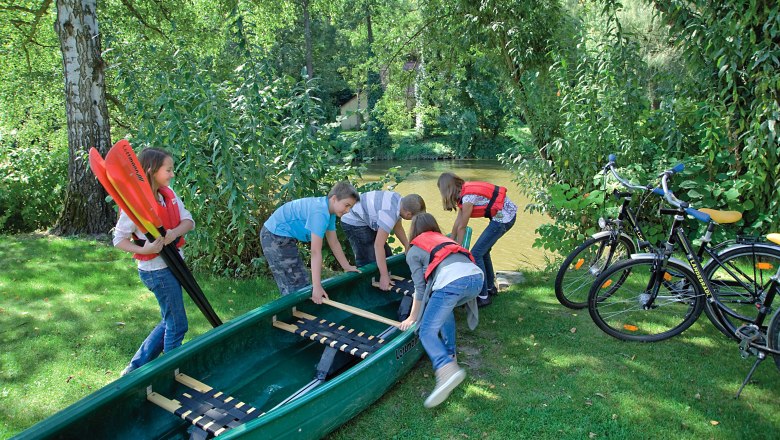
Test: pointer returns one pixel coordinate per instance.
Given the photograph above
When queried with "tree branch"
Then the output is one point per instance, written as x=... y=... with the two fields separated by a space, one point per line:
x=415 y=35
x=38 y=15
x=16 y=8
x=140 y=18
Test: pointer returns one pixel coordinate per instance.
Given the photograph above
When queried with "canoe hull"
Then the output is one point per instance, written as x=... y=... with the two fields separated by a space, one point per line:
x=250 y=359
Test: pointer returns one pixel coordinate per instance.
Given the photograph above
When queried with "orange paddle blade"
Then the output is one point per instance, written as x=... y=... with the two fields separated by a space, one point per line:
x=125 y=173
x=98 y=166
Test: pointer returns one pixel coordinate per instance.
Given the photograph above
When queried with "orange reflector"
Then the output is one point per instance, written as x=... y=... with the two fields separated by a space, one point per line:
x=631 y=328
x=606 y=284
x=667 y=277
x=578 y=265
x=763 y=266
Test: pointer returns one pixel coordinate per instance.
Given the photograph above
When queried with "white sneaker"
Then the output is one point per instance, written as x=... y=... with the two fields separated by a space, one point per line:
x=447 y=378
x=127 y=369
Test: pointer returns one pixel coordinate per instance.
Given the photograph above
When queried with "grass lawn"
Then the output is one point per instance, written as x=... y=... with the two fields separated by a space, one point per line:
x=73 y=311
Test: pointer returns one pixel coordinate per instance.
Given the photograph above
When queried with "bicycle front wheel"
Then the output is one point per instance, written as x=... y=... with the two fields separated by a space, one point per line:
x=740 y=277
x=648 y=304
x=585 y=263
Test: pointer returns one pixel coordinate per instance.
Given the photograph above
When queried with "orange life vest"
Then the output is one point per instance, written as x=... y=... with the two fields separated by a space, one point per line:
x=440 y=247
x=495 y=194
x=169 y=214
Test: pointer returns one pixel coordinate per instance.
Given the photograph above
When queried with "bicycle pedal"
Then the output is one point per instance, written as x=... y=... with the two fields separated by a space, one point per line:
x=748 y=333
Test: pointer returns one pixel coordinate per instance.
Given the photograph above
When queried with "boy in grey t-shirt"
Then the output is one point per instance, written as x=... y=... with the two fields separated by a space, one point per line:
x=370 y=222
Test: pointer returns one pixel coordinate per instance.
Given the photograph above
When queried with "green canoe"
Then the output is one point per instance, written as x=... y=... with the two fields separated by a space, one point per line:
x=268 y=370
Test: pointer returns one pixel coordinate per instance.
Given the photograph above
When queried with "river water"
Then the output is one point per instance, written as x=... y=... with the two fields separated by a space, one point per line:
x=514 y=250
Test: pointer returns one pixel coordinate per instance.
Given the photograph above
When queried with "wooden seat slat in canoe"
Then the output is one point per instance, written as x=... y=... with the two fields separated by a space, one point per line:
x=401 y=285
x=208 y=409
x=331 y=334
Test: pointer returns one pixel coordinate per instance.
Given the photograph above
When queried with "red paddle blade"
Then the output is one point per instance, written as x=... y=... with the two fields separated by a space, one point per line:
x=125 y=173
x=98 y=166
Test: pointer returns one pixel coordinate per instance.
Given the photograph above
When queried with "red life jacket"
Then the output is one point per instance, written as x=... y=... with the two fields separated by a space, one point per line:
x=440 y=247
x=495 y=194
x=169 y=214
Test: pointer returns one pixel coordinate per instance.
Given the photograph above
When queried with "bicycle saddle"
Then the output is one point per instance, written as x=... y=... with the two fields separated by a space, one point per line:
x=722 y=217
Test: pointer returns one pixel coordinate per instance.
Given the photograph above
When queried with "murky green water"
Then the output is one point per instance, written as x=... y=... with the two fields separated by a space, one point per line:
x=513 y=250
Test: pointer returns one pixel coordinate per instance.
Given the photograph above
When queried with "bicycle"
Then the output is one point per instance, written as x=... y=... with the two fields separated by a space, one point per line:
x=588 y=260
x=655 y=296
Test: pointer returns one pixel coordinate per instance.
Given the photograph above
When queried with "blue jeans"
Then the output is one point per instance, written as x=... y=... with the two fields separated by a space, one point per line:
x=169 y=333
x=481 y=251
x=361 y=239
x=437 y=327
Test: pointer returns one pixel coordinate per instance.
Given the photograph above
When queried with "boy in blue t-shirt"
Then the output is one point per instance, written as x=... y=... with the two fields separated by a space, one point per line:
x=308 y=220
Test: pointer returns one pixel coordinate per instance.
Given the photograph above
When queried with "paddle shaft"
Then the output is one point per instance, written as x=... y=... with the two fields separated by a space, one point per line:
x=170 y=254
x=360 y=312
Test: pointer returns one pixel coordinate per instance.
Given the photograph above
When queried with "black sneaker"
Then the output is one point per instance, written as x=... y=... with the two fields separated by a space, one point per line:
x=484 y=302
x=493 y=291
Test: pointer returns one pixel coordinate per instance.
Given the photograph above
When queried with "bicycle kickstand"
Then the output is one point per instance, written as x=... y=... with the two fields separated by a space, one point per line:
x=759 y=358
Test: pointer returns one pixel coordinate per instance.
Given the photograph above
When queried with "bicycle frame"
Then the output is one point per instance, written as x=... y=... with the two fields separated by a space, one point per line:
x=625 y=215
x=677 y=236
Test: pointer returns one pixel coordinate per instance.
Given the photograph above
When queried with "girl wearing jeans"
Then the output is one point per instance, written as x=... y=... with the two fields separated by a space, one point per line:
x=479 y=199
x=445 y=277
x=154 y=273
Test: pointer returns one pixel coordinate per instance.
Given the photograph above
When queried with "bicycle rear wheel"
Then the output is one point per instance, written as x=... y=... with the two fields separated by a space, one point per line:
x=740 y=279
x=773 y=336
x=648 y=305
x=585 y=263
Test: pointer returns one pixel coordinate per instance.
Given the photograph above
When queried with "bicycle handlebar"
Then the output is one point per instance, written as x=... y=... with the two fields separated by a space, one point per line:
x=674 y=201
x=611 y=167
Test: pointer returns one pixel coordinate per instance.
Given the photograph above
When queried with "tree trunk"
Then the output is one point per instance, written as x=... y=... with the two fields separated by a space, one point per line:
x=84 y=210
x=376 y=132
x=307 y=36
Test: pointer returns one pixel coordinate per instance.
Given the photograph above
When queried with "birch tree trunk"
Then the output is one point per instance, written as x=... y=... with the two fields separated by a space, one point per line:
x=84 y=210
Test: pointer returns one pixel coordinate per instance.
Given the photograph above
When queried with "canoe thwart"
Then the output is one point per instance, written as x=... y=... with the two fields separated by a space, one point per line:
x=403 y=286
x=331 y=334
x=209 y=410
x=360 y=312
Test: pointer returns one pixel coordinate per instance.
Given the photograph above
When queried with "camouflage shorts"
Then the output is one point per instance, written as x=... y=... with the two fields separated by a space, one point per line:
x=285 y=261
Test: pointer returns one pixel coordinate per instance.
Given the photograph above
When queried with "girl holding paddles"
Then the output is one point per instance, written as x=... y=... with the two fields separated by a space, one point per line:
x=155 y=274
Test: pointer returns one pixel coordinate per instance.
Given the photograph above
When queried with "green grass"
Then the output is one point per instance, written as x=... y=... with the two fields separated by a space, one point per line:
x=536 y=369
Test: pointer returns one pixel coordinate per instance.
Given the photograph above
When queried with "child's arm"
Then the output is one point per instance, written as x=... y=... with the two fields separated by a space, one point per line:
x=317 y=292
x=417 y=267
x=408 y=322
x=184 y=227
x=149 y=247
x=381 y=258
x=401 y=235
x=461 y=221
x=335 y=247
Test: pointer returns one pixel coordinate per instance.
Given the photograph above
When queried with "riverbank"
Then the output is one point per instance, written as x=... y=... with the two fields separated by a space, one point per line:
x=409 y=145
x=72 y=312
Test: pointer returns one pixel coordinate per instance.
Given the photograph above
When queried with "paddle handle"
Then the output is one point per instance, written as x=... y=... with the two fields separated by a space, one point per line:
x=360 y=312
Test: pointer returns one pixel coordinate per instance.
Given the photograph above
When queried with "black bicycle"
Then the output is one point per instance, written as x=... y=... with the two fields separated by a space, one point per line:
x=613 y=243
x=655 y=296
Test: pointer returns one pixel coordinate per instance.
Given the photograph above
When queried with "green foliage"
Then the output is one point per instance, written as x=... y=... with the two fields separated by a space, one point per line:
x=243 y=145
x=733 y=48
x=32 y=183
x=598 y=85
x=634 y=95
